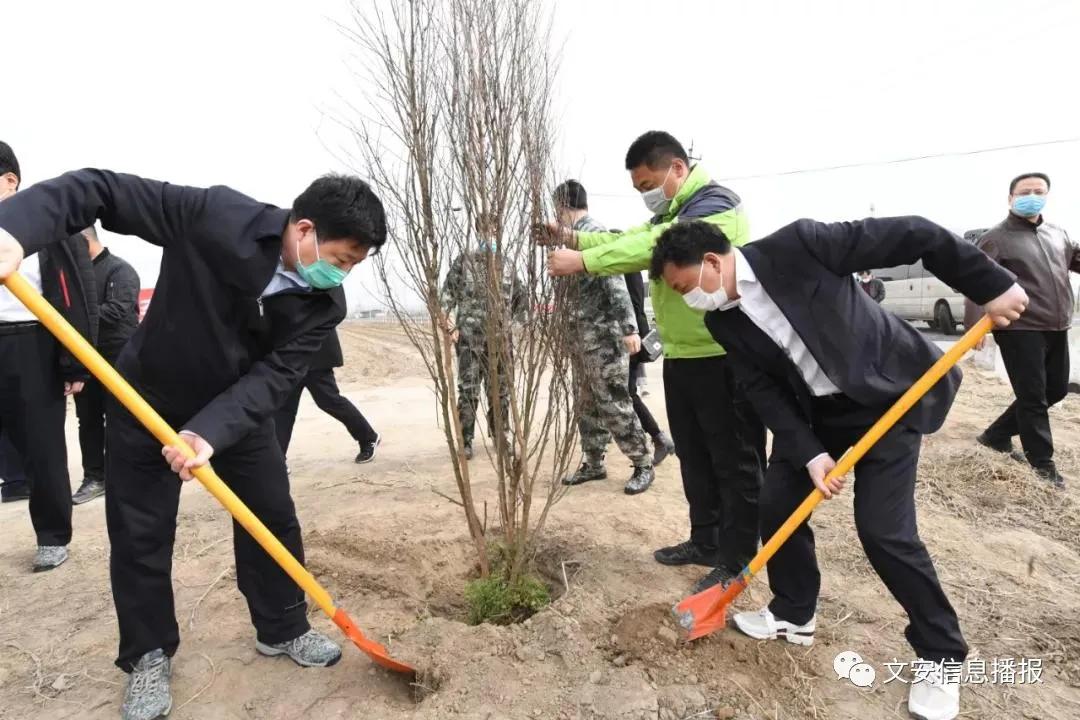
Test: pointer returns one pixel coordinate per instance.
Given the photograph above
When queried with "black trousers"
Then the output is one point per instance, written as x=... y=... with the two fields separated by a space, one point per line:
x=90 y=408
x=1038 y=367
x=886 y=525
x=720 y=443
x=140 y=508
x=648 y=422
x=324 y=391
x=32 y=408
x=11 y=465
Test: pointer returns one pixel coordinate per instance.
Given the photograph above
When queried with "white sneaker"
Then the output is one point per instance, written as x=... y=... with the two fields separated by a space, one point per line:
x=763 y=625
x=933 y=698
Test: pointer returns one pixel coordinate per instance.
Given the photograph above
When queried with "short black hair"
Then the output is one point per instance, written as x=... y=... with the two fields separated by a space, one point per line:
x=655 y=149
x=8 y=162
x=1016 y=180
x=571 y=194
x=685 y=244
x=343 y=207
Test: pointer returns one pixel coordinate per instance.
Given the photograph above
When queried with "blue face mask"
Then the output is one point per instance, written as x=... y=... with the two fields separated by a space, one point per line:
x=319 y=274
x=1028 y=205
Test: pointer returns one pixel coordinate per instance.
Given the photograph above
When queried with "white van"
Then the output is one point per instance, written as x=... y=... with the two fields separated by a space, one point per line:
x=914 y=294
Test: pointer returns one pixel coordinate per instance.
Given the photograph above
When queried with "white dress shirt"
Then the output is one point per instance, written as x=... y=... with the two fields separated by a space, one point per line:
x=11 y=310
x=764 y=313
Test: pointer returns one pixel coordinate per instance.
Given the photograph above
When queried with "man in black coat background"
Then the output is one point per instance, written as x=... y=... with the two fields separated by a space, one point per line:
x=36 y=376
x=322 y=385
x=821 y=362
x=118 y=312
x=662 y=444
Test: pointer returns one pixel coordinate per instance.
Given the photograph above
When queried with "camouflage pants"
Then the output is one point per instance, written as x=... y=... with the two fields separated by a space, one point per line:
x=606 y=409
x=473 y=376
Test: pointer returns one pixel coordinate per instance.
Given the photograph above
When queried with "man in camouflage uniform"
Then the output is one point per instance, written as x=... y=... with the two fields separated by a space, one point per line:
x=604 y=320
x=465 y=293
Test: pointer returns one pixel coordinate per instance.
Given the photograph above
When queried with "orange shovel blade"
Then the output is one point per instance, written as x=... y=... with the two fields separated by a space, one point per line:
x=706 y=612
x=372 y=649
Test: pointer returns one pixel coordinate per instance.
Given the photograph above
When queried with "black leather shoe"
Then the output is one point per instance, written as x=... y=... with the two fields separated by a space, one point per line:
x=640 y=481
x=468 y=451
x=688 y=553
x=15 y=493
x=1002 y=446
x=717 y=576
x=1050 y=474
x=662 y=447
x=585 y=473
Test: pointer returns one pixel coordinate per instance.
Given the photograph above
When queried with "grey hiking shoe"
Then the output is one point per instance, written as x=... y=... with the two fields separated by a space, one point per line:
x=147 y=696
x=662 y=447
x=312 y=649
x=588 y=471
x=89 y=490
x=49 y=557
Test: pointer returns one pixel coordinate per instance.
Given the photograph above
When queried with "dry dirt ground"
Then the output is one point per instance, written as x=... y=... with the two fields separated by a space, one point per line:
x=394 y=554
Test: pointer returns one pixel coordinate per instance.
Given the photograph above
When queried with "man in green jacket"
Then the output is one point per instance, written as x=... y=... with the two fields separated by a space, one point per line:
x=719 y=440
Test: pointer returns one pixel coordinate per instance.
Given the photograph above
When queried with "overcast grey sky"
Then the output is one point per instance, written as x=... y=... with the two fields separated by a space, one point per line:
x=237 y=93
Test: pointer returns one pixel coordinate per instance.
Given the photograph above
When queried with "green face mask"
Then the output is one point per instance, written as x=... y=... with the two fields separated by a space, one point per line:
x=319 y=274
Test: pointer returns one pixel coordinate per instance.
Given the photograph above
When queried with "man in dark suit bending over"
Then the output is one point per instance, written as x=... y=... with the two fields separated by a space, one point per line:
x=821 y=362
x=240 y=306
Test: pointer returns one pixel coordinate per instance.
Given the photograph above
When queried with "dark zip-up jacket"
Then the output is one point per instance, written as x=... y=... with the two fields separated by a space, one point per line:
x=196 y=357
x=636 y=287
x=118 y=303
x=67 y=282
x=1041 y=256
x=329 y=356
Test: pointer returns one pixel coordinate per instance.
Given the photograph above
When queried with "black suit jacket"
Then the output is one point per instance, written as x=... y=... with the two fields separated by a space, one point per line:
x=202 y=356
x=871 y=355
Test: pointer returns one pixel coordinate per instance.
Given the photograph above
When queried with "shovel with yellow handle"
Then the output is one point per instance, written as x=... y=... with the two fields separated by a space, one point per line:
x=157 y=426
x=706 y=612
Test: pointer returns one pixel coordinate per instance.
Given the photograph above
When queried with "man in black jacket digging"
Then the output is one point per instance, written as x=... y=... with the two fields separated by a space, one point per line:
x=821 y=362
x=36 y=375
x=239 y=308
x=118 y=311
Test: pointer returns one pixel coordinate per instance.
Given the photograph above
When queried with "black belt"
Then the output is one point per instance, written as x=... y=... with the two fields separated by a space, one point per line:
x=18 y=327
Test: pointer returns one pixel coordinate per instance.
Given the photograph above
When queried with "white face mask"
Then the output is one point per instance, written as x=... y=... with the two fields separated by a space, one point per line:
x=718 y=299
x=655 y=199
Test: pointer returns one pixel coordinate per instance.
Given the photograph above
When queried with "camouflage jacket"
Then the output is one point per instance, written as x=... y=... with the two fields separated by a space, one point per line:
x=465 y=292
x=603 y=312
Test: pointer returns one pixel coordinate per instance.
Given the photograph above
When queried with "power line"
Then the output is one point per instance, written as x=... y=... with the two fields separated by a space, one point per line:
x=876 y=163
x=914 y=158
